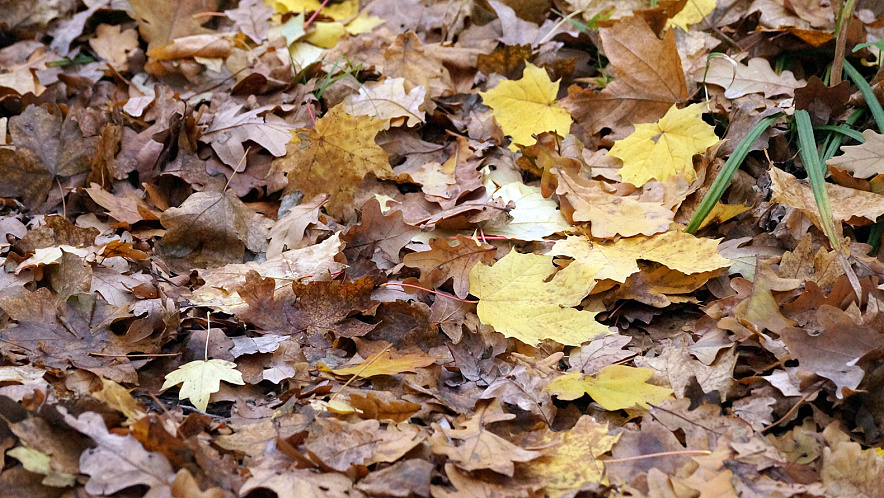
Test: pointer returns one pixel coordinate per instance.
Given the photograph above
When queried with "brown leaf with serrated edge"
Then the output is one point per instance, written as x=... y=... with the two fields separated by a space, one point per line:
x=387 y=233
x=445 y=261
x=333 y=158
x=331 y=307
x=161 y=21
x=649 y=80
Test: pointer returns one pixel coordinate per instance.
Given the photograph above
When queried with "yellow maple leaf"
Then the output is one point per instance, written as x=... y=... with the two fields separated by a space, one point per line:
x=575 y=462
x=693 y=12
x=528 y=106
x=517 y=300
x=658 y=151
x=382 y=364
x=334 y=157
x=200 y=378
x=615 y=387
x=335 y=10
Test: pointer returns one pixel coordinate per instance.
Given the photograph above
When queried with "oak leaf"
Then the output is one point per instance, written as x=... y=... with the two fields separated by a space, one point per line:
x=754 y=77
x=446 y=261
x=517 y=298
x=666 y=148
x=615 y=387
x=863 y=160
x=230 y=129
x=528 y=106
x=851 y=206
x=199 y=379
x=333 y=158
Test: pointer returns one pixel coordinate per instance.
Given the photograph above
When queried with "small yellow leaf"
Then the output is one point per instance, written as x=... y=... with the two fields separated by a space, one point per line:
x=200 y=378
x=658 y=151
x=693 y=12
x=528 y=106
x=517 y=300
x=335 y=10
x=382 y=364
x=615 y=387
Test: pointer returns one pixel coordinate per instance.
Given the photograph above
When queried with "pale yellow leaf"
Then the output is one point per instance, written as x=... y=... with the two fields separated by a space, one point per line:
x=200 y=378
x=615 y=387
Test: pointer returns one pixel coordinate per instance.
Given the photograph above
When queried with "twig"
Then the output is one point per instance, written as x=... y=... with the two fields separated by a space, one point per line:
x=438 y=293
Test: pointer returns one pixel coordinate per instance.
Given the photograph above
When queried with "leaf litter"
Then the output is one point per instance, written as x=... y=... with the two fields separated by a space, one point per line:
x=443 y=247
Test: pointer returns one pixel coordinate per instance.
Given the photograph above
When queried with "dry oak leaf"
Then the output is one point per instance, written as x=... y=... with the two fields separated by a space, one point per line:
x=450 y=260
x=216 y=223
x=661 y=150
x=342 y=445
x=114 y=45
x=852 y=206
x=200 y=378
x=289 y=232
x=528 y=106
x=296 y=483
x=118 y=462
x=333 y=158
x=575 y=462
x=615 y=387
x=650 y=79
x=754 y=77
x=388 y=100
x=609 y=214
x=863 y=160
x=383 y=364
x=517 y=298
x=473 y=447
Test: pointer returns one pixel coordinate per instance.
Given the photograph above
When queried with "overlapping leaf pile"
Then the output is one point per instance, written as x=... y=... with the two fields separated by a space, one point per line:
x=431 y=249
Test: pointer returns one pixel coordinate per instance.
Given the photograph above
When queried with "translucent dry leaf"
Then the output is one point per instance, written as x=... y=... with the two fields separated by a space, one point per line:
x=852 y=206
x=615 y=387
x=658 y=151
x=533 y=217
x=200 y=378
x=693 y=12
x=383 y=364
x=528 y=106
x=517 y=298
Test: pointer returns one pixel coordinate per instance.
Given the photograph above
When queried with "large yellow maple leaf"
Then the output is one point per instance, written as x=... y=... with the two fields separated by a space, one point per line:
x=528 y=106
x=333 y=158
x=516 y=298
x=658 y=151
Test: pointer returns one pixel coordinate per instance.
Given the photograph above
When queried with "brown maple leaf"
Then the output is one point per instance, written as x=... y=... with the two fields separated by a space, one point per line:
x=446 y=261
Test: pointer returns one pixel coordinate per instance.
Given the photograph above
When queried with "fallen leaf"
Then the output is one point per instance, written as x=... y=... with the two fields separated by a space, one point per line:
x=848 y=205
x=615 y=387
x=199 y=379
x=754 y=77
x=517 y=298
x=528 y=106
x=388 y=100
x=664 y=149
x=533 y=217
x=863 y=160
x=160 y=22
x=693 y=12
x=446 y=260
x=333 y=158
x=230 y=129
x=383 y=364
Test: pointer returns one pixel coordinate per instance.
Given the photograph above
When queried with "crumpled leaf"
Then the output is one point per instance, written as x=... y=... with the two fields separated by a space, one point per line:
x=666 y=148
x=382 y=364
x=445 y=261
x=527 y=106
x=333 y=158
x=849 y=205
x=517 y=300
x=533 y=217
x=615 y=387
x=200 y=378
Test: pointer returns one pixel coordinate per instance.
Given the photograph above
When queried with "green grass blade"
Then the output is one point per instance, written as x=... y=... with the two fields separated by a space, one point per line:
x=816 y=174
x=832 y=143
x=849 y=132
x=868 y=94
x=727 y=172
